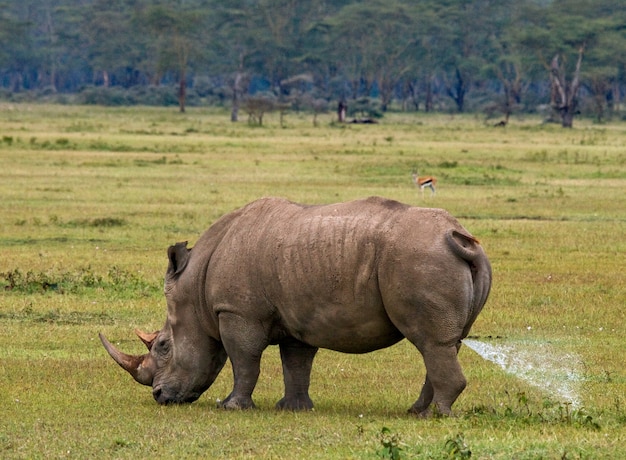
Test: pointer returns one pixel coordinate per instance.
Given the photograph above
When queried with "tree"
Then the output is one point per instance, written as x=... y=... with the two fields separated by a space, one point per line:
x=175 y=28
x=370 y=42
x=561 y=33
x=274 y=39
x=497 y=53
x=15 y=47
x=460 y=37
x=422 y=57
x=564 y=92
x=114 y=49
x=57 y=45
x=233 y=45
x=604 y=62
x=505 y=62
x=284 y=41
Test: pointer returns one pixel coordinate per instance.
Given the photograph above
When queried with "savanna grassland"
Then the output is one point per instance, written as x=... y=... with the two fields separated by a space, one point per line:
x=92 y=197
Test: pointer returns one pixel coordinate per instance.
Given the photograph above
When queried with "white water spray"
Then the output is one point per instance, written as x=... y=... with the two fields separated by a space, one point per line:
x=539 y=364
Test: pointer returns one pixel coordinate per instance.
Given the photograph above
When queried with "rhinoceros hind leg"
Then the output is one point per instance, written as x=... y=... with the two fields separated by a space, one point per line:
x=297 y=359
x=444 y=382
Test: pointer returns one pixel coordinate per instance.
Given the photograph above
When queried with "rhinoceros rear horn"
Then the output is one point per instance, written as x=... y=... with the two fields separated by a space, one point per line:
x=147 y=337
x=140 y=367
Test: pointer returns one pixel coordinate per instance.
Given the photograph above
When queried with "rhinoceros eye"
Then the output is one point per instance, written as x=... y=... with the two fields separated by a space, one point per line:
x=162 y=346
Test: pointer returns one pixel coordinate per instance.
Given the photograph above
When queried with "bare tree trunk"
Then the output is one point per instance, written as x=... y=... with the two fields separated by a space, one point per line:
x=342 y=108
x=237 y=89
x=565 y=94
x=617 y=103
x=53 y=58
x=412 y=96
x=354 y=86
x=428 y=103
x=387 y=85
x=17 y=82
x=182 y=91
x=234 y=111
x=456 y=90
x=182 y=46
x=511 y=80
x=600 y=88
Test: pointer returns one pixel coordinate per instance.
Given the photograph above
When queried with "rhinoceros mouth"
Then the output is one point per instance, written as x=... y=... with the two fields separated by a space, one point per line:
x=162 y=397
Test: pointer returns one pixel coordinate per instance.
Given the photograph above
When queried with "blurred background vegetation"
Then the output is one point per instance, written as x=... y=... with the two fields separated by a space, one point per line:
x=560 y=58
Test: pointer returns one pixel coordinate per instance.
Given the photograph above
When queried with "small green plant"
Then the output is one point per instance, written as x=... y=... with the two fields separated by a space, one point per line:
x=578 y=417
x=107 y=222
x=391 y=444
x=98 y=222
x=523 y=405
x=120 y=443
x=457 y=449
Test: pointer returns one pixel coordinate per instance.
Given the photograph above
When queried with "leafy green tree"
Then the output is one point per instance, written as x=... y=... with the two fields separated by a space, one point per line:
x=423 y=57
x=312 y=51
x=270 y=38
x=605 y=60
x=59 y=45
x=114 y=47
x=281 y=35
x=371 y=42
x=15 y=47
x=233 y=45
x=505 y=61
x=463 y=35
x=175 y=30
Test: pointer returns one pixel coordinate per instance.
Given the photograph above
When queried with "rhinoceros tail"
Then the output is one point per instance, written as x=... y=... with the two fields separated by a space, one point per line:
x=463 y=245
x=469 y=249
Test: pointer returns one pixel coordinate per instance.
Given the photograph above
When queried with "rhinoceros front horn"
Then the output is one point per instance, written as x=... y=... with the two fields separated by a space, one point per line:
x=140 y=367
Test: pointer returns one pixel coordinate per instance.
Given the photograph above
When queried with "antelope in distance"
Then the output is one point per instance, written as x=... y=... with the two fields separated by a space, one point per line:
x=424 y=181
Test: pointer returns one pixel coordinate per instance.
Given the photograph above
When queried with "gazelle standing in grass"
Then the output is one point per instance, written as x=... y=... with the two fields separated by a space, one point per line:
x=424 y=181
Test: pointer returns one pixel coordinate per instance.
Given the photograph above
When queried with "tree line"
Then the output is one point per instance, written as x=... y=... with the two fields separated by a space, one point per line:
x=565 y=56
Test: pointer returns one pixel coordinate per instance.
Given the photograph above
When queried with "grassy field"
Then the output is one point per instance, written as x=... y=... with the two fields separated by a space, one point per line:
x=92 y=197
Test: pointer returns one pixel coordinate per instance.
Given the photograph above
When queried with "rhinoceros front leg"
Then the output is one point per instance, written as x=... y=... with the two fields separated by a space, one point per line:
x=244 y=342
x=444 y=381
x=297 y=359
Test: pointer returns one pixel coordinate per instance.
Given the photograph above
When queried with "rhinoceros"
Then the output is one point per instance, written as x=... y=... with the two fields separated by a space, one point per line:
x=352 y=277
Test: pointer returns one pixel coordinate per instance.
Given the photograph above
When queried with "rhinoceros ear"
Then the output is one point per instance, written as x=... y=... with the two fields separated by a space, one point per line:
x=179 y=256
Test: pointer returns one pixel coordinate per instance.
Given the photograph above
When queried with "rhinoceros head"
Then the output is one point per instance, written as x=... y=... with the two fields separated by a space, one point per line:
x=182 y=359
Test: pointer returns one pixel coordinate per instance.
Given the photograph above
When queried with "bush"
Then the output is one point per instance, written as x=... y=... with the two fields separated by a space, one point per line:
x=100 y=95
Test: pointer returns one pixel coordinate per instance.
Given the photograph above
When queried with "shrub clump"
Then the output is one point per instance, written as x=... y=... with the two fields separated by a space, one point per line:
x=117 y=282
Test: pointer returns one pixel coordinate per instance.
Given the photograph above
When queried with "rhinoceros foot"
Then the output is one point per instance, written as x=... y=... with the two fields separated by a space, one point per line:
x=237 y=403
x=295 y=404
x=432 y=411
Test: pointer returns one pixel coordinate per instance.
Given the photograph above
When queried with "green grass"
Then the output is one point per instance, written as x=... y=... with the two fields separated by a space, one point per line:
x=92 y=197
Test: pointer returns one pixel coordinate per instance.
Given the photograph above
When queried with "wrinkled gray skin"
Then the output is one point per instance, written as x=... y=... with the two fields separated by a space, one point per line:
x=352 y=277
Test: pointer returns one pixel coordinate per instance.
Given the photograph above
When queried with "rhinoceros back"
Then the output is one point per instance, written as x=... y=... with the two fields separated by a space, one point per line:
x=317 y=269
